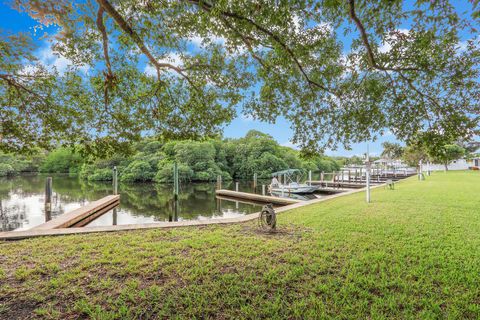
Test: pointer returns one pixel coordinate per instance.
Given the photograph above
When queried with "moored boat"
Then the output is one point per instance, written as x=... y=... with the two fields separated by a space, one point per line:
x=291 y=184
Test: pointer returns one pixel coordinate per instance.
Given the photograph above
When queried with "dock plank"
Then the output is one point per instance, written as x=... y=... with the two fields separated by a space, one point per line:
x=257 y=197
x=69 y=219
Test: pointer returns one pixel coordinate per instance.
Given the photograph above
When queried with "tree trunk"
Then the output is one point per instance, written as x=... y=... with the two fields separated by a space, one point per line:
x=446 y=166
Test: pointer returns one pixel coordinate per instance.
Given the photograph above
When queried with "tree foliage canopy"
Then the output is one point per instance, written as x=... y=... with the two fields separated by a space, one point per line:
x=292 y=59
x=392 y=150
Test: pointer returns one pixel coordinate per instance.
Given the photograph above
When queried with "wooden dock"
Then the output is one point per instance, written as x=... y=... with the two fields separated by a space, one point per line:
x=81 y=216
x=256 y=197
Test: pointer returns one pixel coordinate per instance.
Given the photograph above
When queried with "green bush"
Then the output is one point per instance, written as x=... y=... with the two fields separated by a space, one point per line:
x=62 y=160
x=101 y=175
x=138 y=170
x=165 y=173
x=6 y=170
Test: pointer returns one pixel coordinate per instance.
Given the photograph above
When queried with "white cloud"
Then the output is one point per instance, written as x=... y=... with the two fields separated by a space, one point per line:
x=172 y=58
x=198 y=41
x=386 y=46
x=290 y=145
x=50 y=59
x=247 y=117
x=463 y=45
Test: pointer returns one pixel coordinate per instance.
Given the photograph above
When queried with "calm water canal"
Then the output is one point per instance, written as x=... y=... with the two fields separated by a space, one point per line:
x=22 y=201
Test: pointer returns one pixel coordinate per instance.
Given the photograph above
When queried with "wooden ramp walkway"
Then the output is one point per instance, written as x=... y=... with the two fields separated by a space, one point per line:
x=257 y=197
x=81 y=216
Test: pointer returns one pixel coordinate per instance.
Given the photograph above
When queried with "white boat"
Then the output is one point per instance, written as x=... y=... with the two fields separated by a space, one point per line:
x=290 y=183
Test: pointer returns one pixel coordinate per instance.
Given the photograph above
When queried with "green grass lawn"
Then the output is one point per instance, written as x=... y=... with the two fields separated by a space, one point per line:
x=414 y=252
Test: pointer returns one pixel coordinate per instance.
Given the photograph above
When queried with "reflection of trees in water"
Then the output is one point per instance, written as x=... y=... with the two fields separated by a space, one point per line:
x=13 y=217
x=195 y=199
x=137 y=199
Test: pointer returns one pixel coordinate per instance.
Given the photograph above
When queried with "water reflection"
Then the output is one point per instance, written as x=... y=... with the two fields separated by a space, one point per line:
x=22 y=201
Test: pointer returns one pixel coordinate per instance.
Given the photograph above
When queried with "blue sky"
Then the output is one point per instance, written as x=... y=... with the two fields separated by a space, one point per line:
x=13 y=21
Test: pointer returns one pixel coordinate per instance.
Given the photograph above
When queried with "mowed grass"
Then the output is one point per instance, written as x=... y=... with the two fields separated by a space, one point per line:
x=414 y=252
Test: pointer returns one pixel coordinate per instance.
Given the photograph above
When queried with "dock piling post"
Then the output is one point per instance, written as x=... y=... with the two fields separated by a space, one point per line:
x=219 y=182
x=48 y=199
x=115 y=181
x=309 y=177
x=175 y=181
x=255 y=181
x=321 y=176
x=175 y=191
x=236 y=186
x=263 y=189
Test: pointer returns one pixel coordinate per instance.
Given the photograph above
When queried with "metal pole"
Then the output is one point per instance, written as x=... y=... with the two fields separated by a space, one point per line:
x=115 y=181
x=368 y=175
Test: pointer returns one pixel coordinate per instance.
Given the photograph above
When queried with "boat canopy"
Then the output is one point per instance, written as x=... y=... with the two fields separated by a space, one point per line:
x=288 y=172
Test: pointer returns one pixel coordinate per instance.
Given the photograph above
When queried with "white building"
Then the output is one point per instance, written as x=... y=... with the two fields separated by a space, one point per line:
x=459 y=164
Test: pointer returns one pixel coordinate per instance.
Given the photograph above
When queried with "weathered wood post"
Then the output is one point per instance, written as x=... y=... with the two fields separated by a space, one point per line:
x=263 y=189
x=255 y=181
x=175 y=181
x=175 y=191
x=115 y=180
x=48 y=199
x=114 y=216
x=322 y=176
x=219 y=182
x=236 y=186
x=309 y=177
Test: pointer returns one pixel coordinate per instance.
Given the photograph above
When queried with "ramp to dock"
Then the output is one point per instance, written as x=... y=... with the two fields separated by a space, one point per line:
x=78 y=216
x=257 y=197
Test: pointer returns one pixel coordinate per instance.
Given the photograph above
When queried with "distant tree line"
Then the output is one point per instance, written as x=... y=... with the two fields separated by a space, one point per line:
x=153 y=160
